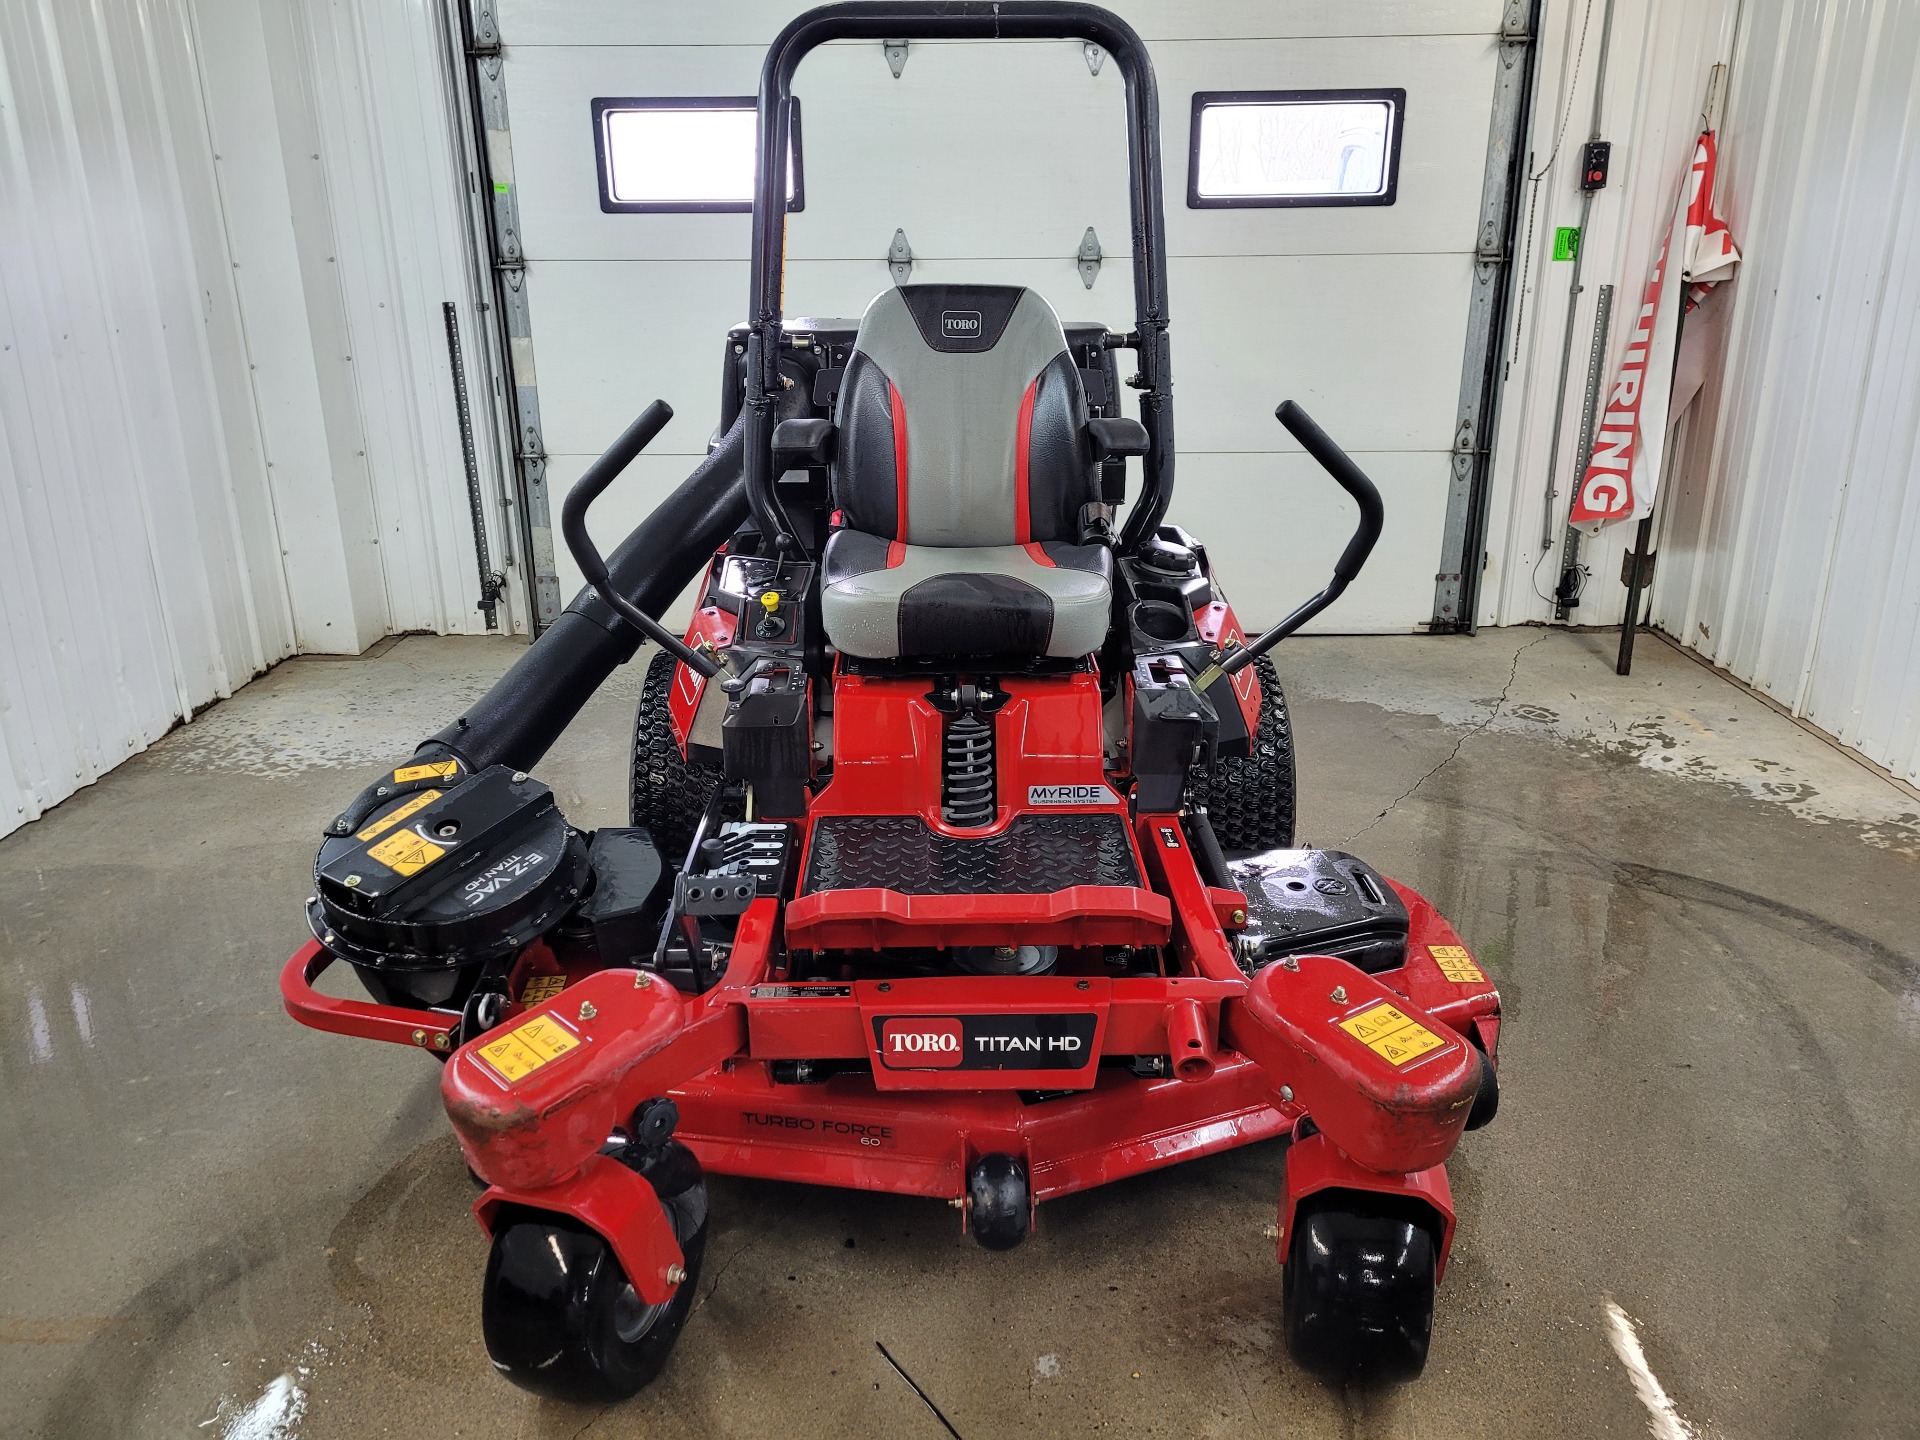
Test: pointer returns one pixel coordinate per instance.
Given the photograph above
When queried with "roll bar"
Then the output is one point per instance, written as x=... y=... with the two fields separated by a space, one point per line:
x=960 y=20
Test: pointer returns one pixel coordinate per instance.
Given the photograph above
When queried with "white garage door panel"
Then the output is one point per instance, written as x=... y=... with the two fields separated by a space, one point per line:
x=994 y=159
x=952 y=189
x=1449 y=84
x=756 y=22
x=1274 y=524
x=1369 y=344
x=1022 y=175
x=550 y=94
x=606 y=345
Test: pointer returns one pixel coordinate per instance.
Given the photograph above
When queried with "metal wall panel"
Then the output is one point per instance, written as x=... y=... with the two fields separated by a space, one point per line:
x=1791 y=549
x=394 y=213
x=227 y=427
x=139 y=560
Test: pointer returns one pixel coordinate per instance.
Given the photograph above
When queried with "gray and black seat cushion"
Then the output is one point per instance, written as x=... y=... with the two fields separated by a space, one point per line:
x=961 y=472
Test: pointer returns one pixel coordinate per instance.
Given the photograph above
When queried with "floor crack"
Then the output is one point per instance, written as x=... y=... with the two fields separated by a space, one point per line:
x=732 y=1260
x=1465 y=736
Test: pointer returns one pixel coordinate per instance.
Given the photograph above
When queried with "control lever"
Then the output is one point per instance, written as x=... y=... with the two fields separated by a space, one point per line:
x=1337 y=463
x=573 y=525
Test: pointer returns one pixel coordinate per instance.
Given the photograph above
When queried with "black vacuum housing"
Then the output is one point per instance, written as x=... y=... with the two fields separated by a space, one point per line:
x=434 y=885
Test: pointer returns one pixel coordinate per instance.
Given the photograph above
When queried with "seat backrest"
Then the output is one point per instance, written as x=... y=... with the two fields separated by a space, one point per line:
x=962 y=421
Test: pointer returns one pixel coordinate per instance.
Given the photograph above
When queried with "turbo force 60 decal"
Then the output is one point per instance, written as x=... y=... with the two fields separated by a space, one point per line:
x=985 y=1042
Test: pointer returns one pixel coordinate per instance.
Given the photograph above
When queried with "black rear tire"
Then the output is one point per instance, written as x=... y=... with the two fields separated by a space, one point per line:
x=668 y=795
x=1250 y=800
x=561 y=1318
x=1358 y=1295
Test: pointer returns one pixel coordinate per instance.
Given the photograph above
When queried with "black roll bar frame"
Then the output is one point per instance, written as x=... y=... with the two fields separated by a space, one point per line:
x=960 y=20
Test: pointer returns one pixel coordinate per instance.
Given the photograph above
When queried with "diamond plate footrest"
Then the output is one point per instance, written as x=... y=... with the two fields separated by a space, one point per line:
x=888 y=881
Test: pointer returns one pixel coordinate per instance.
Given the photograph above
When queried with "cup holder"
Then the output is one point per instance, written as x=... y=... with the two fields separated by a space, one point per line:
x=1162 y=622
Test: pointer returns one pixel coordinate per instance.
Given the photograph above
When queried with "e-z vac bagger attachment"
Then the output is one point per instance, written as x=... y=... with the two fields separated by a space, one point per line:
x=962 y=857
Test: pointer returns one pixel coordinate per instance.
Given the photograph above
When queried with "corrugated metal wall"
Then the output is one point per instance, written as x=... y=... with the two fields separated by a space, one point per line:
x=392 y=186
x=227 y=427
x=139 y=562
x=1790 y=555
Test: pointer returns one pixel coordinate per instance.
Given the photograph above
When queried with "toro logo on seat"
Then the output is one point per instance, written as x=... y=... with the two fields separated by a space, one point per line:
x=960 y=324
x=985 y=1042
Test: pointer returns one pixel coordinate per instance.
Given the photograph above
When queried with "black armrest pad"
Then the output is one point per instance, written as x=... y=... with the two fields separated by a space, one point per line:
x=1116 y=435
x=798 y=443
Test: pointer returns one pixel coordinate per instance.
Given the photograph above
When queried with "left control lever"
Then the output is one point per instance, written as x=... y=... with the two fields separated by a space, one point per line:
x=573 y=525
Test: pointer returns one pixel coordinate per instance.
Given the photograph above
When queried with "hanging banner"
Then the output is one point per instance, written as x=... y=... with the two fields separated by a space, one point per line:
x=1630 y=439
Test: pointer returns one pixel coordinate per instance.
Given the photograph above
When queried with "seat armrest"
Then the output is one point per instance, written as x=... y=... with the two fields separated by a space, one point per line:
x=1115 y=435
x=798 y=444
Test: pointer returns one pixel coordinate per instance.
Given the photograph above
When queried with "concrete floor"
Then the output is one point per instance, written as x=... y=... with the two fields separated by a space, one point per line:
x=213 y=1222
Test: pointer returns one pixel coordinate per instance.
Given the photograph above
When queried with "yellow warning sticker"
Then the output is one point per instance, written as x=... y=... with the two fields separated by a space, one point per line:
x=405 y=853
x=393 y=817
x=1396 y=1037
x=542 y=987
x=526 y=1048
x=439 y=770
x=1456 y=963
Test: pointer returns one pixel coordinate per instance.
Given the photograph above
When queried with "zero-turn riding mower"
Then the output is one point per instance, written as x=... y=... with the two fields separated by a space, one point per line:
x=927 y=887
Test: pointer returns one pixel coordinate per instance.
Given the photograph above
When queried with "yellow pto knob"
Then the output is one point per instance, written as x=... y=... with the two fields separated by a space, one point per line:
x=770 y=600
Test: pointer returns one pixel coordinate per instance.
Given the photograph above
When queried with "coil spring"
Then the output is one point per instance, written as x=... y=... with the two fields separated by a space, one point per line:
x=967 y=787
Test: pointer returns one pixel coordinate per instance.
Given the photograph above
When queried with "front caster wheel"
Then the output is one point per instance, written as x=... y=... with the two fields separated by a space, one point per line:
x=1358 y=1289
x=561 y=1318
x=999 y=1204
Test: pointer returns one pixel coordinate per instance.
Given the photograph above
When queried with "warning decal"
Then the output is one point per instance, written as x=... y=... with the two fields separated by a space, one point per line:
x=394 y=817
x=1456 y=963
x=439 y=770
x=542 y=987
x=1394 y=1036
x=526 y=1048
x=405 y=853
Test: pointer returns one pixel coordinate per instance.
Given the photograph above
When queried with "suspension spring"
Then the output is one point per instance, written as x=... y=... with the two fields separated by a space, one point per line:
x=967 y=785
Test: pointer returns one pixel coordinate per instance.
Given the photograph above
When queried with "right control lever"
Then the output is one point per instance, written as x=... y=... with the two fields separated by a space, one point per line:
x=1337 y=463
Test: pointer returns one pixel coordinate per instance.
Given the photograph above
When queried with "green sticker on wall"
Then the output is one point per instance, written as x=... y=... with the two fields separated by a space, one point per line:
x=1566 y=242
x=501 y=188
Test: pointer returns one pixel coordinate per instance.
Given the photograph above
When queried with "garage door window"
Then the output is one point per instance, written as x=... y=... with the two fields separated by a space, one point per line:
x=1295 y=147
x=691 y=155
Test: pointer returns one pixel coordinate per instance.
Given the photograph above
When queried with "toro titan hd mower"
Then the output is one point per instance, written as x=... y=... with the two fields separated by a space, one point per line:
x=927 y=887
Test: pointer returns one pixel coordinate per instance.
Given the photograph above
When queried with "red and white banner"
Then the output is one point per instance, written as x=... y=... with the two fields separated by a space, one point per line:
x=1630 y=438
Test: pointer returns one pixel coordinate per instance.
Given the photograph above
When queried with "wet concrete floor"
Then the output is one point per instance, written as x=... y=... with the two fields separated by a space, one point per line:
x=214 y=1222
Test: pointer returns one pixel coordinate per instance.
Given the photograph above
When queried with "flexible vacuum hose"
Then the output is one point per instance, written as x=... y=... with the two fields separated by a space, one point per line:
x=516 y=721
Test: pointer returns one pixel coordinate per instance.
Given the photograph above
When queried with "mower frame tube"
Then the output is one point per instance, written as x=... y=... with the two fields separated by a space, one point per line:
x=517 y=720
x=961 y=20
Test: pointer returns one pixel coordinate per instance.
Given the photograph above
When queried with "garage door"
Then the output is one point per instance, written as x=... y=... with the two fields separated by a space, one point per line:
x=993 y=161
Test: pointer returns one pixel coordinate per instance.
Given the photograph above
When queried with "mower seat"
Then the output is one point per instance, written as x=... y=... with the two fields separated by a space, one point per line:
x=962 y=467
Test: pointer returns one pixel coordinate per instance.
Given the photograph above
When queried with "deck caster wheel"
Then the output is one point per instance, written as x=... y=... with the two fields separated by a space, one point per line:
x=1486 y=1100
x=999 y=1202
x=560 y=1316
x=1358 y=1295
